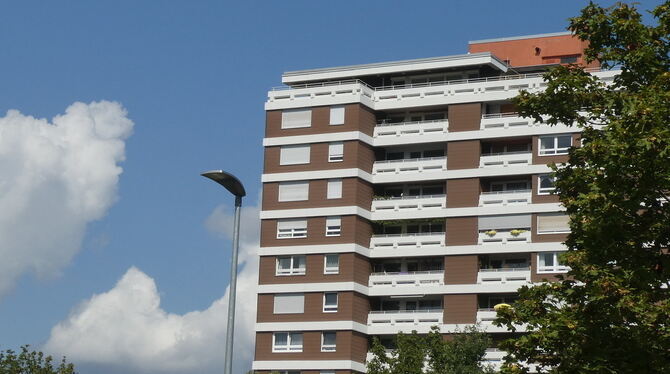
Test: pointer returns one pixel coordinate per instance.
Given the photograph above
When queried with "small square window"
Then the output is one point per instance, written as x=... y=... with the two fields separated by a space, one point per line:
x=337 y=115
x=336 y=152
x=331 y=264
x=328 y=342
x=334 y=189
x=333 y=226
x=545 y=184
x=330 y=302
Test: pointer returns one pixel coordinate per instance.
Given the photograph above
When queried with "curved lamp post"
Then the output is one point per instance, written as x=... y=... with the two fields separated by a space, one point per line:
x=235 y=187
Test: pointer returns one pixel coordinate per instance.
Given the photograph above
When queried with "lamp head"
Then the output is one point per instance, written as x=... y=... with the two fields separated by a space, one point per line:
x=229 y=181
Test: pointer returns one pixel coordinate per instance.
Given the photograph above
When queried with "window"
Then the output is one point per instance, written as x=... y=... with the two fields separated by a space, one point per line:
x=331 y=264
x=296 y=118
x=287 y=342
x=328 y=342
x=334 y=189
x=569 y=59
x=336 y=152
x=333 y=226
x=555 y=145
x=294 y=154
x=291 y=265
x=289 y=303
x=545 y=184
x=553 y=223
x=293 y=191
x=291 y=228
x=330 y=302
x=337 y=115
x=548 y=262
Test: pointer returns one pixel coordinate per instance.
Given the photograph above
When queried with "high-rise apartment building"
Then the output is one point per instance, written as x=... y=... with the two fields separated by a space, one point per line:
x=402 y=195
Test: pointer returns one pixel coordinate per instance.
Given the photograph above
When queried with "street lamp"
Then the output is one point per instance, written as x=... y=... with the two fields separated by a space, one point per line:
x=234 y=186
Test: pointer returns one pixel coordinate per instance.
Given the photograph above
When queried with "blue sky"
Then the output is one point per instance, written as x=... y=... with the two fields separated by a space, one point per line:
x=193 y=77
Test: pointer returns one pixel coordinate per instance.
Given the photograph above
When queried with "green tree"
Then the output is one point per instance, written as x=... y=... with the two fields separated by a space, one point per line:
x=32 y=362
x=431 y=354
x=611 y=314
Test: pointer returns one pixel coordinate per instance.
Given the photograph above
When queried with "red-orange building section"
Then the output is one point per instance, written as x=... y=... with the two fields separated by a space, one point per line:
x=536 y=51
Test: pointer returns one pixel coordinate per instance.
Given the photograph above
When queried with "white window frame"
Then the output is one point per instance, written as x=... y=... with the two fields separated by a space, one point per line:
x=556 y=268
x=331 y=347
x=335 y=157
x=331 y=228
x=331 y=191
x=330 y=308
x=295 y=184
x=292 y=270
x=555 y=150
x=292 y=233
x=336 y=110
x=297 y=307
x=332 y=269
x=299 y=125
x=545 y=191
x=289 y=347
x=303 y=146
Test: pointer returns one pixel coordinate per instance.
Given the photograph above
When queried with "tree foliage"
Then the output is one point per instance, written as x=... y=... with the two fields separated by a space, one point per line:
x=431 y=354
x=32 y=362
x=611 y=314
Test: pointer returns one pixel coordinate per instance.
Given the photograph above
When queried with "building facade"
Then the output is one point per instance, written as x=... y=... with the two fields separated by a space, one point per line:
x=402 y=195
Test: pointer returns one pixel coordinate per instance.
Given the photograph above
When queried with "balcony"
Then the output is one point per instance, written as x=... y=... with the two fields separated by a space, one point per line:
x=505 y=159
x=505 y=121
x=428 y=317
x=503 y=275
x=504 y=236
x=503 y=198
x=409 y=203
x=386 y=130
x=410 y=241
x=407 y=279
x=486 y=315
x=410 y=166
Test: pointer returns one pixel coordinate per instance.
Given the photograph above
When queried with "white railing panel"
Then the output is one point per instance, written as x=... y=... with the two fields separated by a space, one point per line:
x=505 y=159
x=410 y=165
x=407 y=279
x=396 y=317
x=408 y=240
x=522 y=235
x=433 y=127
x=505 y=275
x=409 y=203
x=516 y=197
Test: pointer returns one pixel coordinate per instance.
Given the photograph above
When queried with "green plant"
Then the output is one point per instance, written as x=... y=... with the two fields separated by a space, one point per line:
x=517 y=232
x=490 y=233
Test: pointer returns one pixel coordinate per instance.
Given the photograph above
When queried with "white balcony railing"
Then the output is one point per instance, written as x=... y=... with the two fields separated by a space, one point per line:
x=504 y=236
x=394 y=317
x=503 y=275
x=407 y=279
x=486 y=315
x=411 y=128
x=510 y=197
x=418 y=240
x=409 y=203
x=410 y=165
x=505 y=121
x=505 y=159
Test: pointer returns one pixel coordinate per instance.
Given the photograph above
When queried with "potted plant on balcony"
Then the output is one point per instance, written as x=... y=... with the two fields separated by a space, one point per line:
x=490 y=233
x=517 y=232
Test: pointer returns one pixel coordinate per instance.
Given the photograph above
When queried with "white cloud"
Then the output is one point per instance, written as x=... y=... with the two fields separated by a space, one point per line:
x=55 y=178
x=125 y=330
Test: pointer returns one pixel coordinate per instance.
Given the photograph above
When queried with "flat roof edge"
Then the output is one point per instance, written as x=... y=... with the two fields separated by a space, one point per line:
x=534 y=36
x=389 y=63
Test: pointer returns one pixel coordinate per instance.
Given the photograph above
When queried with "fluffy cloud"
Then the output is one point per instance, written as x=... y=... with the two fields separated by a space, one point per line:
x=55 y=178
x=125 y=330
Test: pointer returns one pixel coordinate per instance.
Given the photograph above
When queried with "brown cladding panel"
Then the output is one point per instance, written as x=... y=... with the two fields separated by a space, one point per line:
x=349 y=344
x=462 y=231
x=463 y=192
x=356 y=155
x=356 y=118
x=543 y=238
x=460 y=308
x=353 y=268
x=350 y=307
x=463 y=154
x=534 y=276
x=354 y=192
x=461 y=269
x=354 y=230
x=465 y=117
